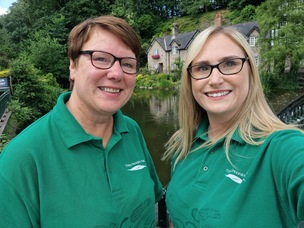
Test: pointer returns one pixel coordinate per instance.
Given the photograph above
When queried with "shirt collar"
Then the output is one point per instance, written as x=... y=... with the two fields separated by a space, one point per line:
x=203 y=128
x=71 y=131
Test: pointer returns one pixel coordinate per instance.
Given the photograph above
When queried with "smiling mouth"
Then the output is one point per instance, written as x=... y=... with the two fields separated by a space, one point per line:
x=109 y=90
x=220 y=94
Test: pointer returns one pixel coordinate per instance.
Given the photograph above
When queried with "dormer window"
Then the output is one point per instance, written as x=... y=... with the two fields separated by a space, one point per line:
x=174 y=50
x=253 y=41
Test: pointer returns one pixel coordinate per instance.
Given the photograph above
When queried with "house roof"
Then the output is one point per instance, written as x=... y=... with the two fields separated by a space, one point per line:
x=183 y=40
x=246 y=28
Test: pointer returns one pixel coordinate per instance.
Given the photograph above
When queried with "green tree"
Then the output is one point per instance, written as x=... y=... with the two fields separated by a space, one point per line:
x=19 y=22
x=32 y=89
x=5 y=49
x=49 y=56
x=281 y=39
x=246 y=14
x=237 y=5
x=76 y=11
x=192 y=7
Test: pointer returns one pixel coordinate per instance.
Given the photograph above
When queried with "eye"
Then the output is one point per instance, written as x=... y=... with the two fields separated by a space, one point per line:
x=101 y=59
x=129 y=63
x=202 y=68
x=229 y=63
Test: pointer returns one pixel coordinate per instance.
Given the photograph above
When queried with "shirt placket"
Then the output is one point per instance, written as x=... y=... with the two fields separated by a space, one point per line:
x=206 y=168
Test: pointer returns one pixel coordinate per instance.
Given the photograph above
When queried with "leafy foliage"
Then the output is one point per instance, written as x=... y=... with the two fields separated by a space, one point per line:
x=245 y=14
x=238 y=5
x=282 y=40
x=160 y=81
x=36 y=92
x=22 y=116
x=43 y=52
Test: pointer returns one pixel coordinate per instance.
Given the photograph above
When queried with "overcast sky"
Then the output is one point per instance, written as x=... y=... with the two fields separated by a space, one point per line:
x=4 y=5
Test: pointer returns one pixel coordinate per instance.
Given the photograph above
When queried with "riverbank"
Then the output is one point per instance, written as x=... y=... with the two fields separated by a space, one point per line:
x=278 y=101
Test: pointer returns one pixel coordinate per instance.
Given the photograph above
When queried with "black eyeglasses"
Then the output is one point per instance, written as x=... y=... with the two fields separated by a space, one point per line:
x=104 y=60
x=227 y=67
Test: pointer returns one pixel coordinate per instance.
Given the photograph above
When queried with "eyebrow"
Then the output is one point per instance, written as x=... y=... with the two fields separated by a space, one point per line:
x=206 y=62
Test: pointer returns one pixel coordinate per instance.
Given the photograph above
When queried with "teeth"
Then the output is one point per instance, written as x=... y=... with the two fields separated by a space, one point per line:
x=217 y=94
x=110 y=90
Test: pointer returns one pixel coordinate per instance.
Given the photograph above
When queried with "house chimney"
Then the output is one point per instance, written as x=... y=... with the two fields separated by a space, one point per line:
x=175 y=29
x=218 y=19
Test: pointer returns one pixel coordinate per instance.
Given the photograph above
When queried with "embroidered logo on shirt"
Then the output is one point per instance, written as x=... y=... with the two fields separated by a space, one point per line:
x=135 y=166
x=235 y=176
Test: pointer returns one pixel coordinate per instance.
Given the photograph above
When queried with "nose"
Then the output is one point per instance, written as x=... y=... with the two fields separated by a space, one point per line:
x=216 y=77
x=115 y=72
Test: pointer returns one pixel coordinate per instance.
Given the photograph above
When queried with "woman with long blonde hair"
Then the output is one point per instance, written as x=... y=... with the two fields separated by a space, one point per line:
x=234 y=162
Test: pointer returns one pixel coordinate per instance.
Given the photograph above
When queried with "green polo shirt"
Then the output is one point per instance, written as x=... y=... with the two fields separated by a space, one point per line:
x=54 y=174
x=263 y=187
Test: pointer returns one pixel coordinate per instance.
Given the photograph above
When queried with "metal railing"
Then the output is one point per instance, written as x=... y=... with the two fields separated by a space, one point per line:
x=5 y=98
x=294 y=112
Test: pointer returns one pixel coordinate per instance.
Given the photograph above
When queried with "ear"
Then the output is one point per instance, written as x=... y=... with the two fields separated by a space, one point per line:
x=73 y=69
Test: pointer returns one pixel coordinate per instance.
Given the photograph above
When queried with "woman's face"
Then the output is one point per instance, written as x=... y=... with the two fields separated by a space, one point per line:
x=101 y=91
x=220 y=95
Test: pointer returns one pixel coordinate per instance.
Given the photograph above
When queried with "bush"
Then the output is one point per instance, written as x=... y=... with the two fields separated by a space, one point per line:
x=34 y=94
x=269 y=81
x=4 y=73
x=272 y=82
x=21 y=117
x=45 y=52
x=156 y=81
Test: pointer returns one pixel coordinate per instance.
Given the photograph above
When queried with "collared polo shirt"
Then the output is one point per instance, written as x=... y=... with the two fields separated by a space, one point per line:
x=54 y=174
x=262 y=186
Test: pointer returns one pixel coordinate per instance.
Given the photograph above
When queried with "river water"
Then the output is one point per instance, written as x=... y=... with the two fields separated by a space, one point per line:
x=156 y=113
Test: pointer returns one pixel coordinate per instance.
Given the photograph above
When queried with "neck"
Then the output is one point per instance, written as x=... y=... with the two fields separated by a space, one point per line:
x=94 y=124
x=216 y=128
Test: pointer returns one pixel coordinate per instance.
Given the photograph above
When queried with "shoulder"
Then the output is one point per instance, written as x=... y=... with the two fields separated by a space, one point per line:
x=34 y=130
x=286 y=137
x=131 y=122
x=285 y=148
x=125 y=123
x=286 y=141
x=32 y=136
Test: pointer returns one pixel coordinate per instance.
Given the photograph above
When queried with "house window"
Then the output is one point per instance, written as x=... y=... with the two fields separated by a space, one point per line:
x=155 y=52
x=174 y=50
x=273 y=35
x=257 y=60
x=252 y=41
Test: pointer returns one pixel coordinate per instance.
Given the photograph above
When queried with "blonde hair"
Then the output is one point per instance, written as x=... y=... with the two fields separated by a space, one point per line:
x=254 y=119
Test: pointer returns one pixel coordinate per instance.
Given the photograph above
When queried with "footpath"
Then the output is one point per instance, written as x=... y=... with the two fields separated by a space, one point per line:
x=3 y=121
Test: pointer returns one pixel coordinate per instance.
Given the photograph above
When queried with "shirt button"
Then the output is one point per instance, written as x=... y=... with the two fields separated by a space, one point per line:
x=205 y=168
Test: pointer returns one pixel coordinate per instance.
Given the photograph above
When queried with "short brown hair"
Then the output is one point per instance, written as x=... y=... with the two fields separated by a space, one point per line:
x=119 y=27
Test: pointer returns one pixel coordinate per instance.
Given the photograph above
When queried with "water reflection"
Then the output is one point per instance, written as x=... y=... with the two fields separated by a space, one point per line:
x=156 y=113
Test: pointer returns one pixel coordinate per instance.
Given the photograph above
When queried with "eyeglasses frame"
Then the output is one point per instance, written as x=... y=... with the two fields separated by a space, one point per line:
x=90 y=52
x=246 y=58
